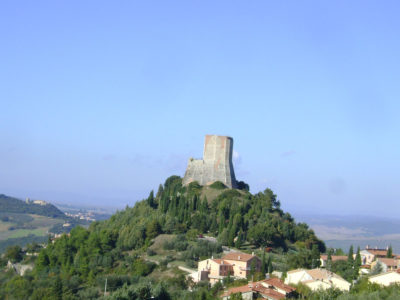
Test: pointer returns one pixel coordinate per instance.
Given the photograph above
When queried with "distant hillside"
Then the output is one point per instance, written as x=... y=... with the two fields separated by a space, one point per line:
x=14 y=205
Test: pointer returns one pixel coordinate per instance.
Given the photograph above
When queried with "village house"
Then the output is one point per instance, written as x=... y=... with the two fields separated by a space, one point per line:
x=377 y=252
x=366 y=257
x=386 y=279
x=387 y=264
x=324 y=259
x=317 y=279
x=235 y=264
x=272 y=288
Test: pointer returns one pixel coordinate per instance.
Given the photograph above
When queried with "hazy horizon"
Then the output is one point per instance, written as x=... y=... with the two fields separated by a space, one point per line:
x=102 y=102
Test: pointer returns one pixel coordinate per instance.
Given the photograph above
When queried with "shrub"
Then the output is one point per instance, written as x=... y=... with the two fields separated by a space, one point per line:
x=151 y=252
x=218 y=185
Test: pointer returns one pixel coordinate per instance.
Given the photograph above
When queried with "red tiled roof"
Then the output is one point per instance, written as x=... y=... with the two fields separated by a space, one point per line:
x=221 y=261
x=365 y=267
x=268 y=292
x=238 y=256
x=240 y=289
x=380 y=252
x=276 y=282
x=390 y=262
x=255 y=287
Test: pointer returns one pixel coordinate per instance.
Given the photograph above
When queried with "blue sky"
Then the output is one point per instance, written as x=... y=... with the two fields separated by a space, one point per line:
x=101 y=101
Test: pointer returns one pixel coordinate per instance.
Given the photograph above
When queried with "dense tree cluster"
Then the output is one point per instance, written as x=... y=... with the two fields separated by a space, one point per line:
x=77 y=265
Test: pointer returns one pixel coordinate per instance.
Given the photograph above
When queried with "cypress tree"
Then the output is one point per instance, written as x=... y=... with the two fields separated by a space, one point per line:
x=329 y=260
x=389 y=253
x=263 y=264
x=239 y=240
x=150 y=199
x=221 y=220
x=214 y=224
x=270 y=267
x=357 y=264
x=204 y=205
x=57 y=288
x=315 y=256
x=350 y=255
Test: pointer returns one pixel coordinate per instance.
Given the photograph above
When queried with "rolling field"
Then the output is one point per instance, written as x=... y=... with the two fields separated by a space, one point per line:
x=20 y=229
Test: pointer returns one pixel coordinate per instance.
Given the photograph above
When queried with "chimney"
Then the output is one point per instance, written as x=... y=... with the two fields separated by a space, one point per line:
x=239 y=257
x=252 y=253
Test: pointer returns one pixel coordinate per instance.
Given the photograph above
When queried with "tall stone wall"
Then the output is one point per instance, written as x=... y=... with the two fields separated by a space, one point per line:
x=216 y=164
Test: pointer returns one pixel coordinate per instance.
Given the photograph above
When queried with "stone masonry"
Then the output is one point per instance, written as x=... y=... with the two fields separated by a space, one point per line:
x=216 y=164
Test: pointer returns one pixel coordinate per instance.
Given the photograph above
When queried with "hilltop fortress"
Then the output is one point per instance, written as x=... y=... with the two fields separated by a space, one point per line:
x=216 y=164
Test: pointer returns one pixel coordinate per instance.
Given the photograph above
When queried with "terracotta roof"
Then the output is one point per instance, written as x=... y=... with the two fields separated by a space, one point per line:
x=365 y=267
x=381 y=252
x=390 y=262
x=334 y=257
x=239 y=289
x=272 y=294
x=276 y=282
x=255 y=287
x=220 y=261
x=238 y=256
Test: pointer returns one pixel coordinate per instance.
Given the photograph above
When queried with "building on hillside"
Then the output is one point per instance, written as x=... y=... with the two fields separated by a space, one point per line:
x=386 y=279
x=214 y=270
x=317 y=279
x=367 y=257
x=235 y=264
x=272 y=288
x=216 y=164
x=387 y=264
x=377 y=252
x=324 y=259
x=39 y=202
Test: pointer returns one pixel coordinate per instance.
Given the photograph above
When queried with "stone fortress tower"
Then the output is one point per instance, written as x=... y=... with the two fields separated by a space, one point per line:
x=216 y=164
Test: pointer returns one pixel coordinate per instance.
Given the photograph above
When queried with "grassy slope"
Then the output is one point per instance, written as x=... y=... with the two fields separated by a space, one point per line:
x=212 y=193
x=39 y=226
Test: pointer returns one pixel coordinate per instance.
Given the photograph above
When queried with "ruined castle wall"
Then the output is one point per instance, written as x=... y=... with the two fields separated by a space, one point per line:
x=216 y=164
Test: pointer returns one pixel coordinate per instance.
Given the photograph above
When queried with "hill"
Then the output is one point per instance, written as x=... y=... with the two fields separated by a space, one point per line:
x=24 y=222
x=14 y=205
x=139 y=249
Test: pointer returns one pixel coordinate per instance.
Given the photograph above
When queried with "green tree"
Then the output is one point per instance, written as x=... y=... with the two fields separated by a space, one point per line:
x=239 y=239
x=357 y=263
x=14 y=253
x=389 y=252
x=153 y=229
x=264 y=266
x=343 y=268
x=57 y=288
x=270 y=266
x=350 y=254
x=315 y=256
x=377 y=269
x=329 y=260
x=18 y=288
x=150 y=200
x=236 y=296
